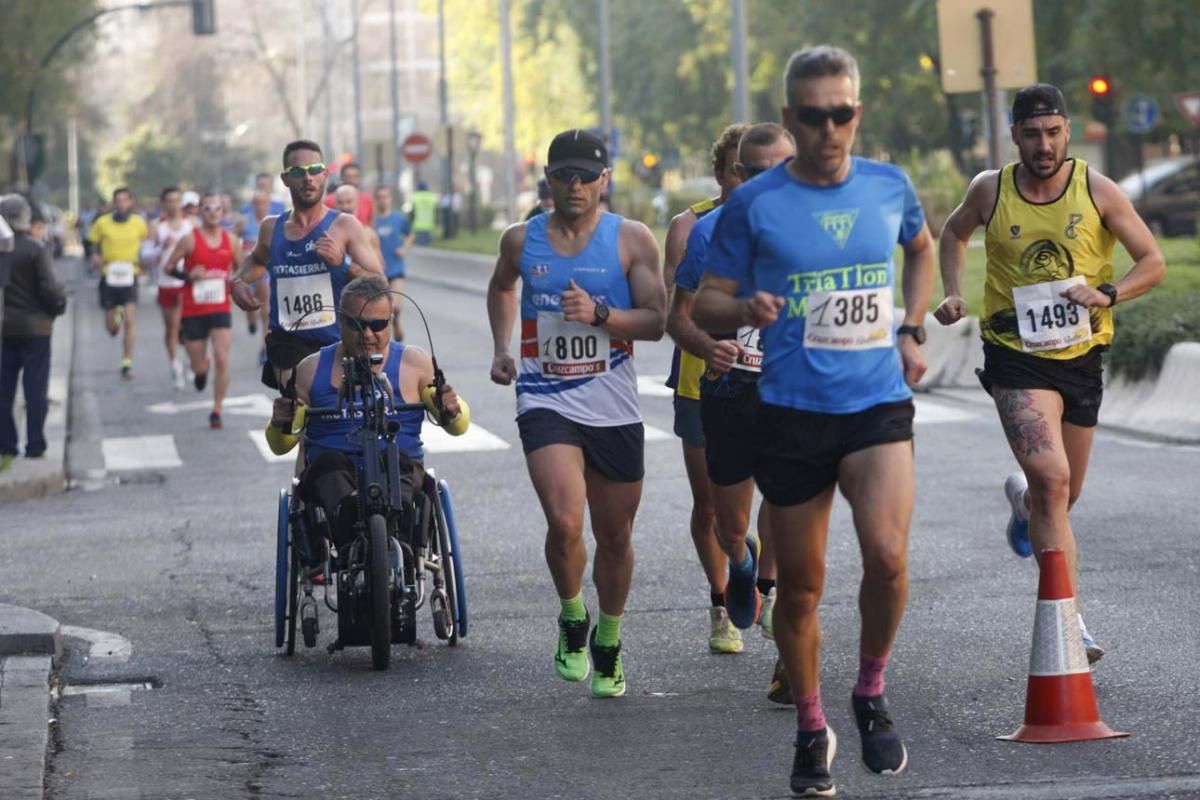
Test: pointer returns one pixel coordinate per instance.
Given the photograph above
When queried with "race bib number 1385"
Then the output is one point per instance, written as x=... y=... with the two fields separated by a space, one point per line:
x=849 y=319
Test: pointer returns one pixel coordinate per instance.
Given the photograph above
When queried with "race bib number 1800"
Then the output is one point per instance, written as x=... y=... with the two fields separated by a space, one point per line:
x=568 y=350
x=306 y=302
x=1049 y=321
x=849 y=319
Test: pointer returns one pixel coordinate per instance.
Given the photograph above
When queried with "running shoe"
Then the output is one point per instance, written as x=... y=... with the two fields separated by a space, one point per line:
x=724 y=638
x=1015 y=487
x=571 y=658
x=766 y=616
x=741 y=594
x=177 y=374
x=882 y=751
x=810 y=766
x=608 y=679
x=780 y=690
x=1094 y=651
x=200 y=380
x=127 y=369
x=214 y=421
x=118 y=320
x=6 y=461
x=253 y=328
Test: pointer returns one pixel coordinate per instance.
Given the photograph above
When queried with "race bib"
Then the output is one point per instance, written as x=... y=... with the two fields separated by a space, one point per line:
x=1048 y=321
x=209 y=292
x=119 y=274
x=569 y=350
x=751 y=355
x=849 y=319
x=306 y=302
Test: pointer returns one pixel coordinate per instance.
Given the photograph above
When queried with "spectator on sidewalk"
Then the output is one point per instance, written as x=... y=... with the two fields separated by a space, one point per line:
x=33 y=298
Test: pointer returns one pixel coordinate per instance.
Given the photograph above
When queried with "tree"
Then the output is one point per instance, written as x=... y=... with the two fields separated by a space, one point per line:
x=145 y=161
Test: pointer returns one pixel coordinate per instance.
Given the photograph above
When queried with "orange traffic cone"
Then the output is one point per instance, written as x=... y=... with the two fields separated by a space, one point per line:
x=1060 y=705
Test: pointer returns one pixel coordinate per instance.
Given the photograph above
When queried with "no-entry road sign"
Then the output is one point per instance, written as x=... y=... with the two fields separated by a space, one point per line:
x=416 y=148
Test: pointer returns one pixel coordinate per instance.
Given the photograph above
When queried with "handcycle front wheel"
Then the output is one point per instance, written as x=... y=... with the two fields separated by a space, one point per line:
x=285 y=576
x=378 y=563
x=456 y=586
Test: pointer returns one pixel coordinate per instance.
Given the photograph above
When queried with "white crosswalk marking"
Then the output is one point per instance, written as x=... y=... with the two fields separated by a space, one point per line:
x=654 y=434
x=259 y=437
x=436 y=440
x=140 y=452
x=654 y=386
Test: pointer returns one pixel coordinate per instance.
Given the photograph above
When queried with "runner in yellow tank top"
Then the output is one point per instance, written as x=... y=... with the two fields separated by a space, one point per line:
x=1051 y=222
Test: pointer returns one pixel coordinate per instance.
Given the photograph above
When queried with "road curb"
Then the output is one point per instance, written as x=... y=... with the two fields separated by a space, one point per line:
x=24 y=725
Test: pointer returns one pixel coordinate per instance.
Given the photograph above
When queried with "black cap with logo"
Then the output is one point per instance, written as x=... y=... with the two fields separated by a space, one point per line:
x=579 y=149
x=1038 y=100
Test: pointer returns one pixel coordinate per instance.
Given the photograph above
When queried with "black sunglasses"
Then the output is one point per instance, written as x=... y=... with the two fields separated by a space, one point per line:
x=377 y=325
x=567 y=174
x=815 y=116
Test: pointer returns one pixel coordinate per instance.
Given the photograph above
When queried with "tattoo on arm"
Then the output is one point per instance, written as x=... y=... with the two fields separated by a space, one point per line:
x=1025 y=426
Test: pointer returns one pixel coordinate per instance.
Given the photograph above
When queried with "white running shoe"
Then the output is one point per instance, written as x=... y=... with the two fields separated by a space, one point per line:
x=1015 y=487
x=766 y=617
x=177 y=374
x=723 y=636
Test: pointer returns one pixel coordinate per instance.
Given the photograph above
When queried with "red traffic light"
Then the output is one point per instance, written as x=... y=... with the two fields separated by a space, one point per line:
x=1099 y=86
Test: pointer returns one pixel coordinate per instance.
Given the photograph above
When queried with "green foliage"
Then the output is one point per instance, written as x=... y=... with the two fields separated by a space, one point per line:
x=1146 y=330
x=145 y=161
x=940 y=185
x=27 y=32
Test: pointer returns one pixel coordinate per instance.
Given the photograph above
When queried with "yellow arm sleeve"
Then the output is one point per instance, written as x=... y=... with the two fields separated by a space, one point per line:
x=455 y=427
x=281 y=442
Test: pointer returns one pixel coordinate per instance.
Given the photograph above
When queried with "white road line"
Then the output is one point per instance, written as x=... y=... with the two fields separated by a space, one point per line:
x=259 y=437
x=476 y=439
x=140 y=452
x=654 y=434
x=654 y=386
x=932 y=412
x=258 y=405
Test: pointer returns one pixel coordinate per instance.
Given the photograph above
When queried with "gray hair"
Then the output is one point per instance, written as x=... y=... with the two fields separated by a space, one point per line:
x=16 y=211
x=820 y=61
x=366 y=289
x=762 y=134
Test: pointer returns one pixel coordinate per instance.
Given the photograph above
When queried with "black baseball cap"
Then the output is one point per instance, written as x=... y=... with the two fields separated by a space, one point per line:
x=577 y=148
x=1038 y=100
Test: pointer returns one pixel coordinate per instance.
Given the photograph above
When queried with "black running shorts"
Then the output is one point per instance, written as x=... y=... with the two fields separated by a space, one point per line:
x=797 y=453
x=1080 y=381
x=728 y=415
x=117 y=296
x=195 y=329
x=617 y=452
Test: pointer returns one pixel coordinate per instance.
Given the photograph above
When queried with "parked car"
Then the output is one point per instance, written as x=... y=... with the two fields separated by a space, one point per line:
x=1167 y=195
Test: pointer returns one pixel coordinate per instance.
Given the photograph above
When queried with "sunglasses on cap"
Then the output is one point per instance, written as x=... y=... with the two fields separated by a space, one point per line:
x=377 y=325
x=816 y=117
x=298 y=171
x=567 y=174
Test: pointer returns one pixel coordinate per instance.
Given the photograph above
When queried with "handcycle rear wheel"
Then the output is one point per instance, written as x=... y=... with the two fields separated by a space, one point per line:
x=381 y=599
x=454 y=567
x=446 y=617
x=286 y=578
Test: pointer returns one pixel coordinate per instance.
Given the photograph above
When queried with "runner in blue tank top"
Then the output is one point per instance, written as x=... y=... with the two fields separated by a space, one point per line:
x=815 y=239
x=395 y=237
x=590 y=286
x=308 y=254
x=252 y=216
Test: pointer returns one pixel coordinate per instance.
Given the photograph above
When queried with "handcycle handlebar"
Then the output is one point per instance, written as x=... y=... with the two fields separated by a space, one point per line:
x=351 y=410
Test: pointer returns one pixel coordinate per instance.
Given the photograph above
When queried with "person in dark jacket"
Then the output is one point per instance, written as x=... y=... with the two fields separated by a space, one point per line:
x=32 y=299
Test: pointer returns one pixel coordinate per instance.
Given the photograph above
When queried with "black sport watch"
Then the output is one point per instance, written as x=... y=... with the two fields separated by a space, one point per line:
x=915 y=331
x=1109 y=290
x=600 y=316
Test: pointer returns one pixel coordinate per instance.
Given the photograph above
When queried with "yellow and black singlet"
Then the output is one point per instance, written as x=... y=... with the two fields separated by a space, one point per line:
x=687 y=369
x=1034 y=252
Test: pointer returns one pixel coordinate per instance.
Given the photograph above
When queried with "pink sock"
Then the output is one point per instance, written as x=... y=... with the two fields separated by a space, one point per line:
x=870 y=675
x=809 y=716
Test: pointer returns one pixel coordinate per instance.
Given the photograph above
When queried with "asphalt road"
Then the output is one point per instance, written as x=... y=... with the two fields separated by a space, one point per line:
x=179 y=559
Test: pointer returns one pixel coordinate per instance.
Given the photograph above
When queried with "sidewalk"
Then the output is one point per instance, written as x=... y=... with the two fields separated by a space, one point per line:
x=28 y=478
x=28 y=645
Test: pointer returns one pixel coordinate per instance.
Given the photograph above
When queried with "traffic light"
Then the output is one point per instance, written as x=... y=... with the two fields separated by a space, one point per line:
x=1103 y=105
x=204 y=18
x=649 y=161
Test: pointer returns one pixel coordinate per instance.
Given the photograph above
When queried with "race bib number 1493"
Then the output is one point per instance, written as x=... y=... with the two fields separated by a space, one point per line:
x=1049 y=321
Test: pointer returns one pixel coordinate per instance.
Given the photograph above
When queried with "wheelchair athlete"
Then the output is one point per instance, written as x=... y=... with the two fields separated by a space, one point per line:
x=365 y=314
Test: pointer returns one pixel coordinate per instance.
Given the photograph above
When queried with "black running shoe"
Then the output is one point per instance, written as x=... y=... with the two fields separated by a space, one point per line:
x=571 y=657
x=200 y=380
x=810 y=767
x=882 y=751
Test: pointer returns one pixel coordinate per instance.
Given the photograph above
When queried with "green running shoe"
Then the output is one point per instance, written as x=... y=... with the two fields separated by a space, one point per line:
x=609 y=678
x=780 y=690
x=723 y=637
x=571 y=658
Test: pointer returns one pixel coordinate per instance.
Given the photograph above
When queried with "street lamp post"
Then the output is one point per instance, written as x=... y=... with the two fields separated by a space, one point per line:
x=474 y=139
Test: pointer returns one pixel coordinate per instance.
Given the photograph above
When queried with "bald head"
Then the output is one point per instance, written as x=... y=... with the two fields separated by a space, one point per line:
x=345 y=199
